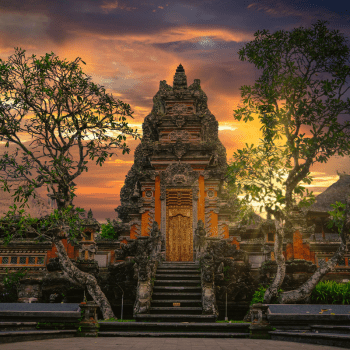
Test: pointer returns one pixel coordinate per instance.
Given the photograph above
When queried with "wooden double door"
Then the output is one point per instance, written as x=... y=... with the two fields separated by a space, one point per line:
x=179 y=235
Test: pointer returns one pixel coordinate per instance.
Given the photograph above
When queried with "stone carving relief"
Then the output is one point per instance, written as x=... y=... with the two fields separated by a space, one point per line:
x=179 y=149
x=177 y=175
x=179 y=114
x=179 y=134
x=195 y=190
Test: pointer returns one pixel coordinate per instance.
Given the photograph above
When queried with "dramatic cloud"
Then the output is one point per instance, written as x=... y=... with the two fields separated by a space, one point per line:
x=131 y=45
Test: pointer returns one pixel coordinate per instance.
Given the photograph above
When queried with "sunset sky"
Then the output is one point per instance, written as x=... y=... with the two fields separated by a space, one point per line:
x=129 y=46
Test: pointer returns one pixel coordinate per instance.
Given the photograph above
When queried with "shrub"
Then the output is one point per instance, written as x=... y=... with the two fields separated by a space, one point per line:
x=258 y=296
x=327 y=292
x=10 y=282
x=108 y=231
x=331 y=292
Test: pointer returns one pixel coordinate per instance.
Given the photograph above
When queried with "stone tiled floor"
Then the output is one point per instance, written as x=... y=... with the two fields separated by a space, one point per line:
x=161 y=343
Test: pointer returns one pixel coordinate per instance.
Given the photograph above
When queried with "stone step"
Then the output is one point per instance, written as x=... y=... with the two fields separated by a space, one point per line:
x=180 y=262
x=173 y=334
x=176 y=318
x=180 y=265
x=176 y=308
x=330 y=329
x=178 y=296
x=184 y=282
x=329 y=339
x=171 y=301
x=175 y=271
x=176 y=326
x=179 y=288
x=161 y=276
x=17 y=326
x=177 y=266
x=182 y=310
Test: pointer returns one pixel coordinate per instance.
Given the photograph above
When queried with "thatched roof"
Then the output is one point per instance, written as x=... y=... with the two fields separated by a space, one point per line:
x=339 y=191
x=253 y=224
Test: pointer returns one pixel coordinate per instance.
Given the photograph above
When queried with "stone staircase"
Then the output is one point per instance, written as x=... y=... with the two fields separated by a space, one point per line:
x=177 y=283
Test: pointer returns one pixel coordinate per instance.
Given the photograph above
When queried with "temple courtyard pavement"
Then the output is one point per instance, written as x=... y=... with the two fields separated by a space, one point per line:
x=133 y=343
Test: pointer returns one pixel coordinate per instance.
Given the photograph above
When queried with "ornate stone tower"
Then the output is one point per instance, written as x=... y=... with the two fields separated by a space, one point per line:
x=178 y=174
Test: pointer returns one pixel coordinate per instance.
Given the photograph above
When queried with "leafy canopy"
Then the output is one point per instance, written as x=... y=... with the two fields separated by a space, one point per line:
x=299 y=100
x=57 y=119
x=65 y=118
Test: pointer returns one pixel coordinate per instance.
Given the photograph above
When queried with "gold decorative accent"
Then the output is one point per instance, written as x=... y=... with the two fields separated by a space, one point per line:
x=179 y=236
x=176 y=304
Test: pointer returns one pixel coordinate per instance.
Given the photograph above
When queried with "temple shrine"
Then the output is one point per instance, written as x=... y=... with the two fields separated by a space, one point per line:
x=177 y=176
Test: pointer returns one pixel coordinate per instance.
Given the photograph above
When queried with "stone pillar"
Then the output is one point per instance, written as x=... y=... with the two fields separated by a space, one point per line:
x=259 y=327
x=88 y=247
x=88 y=326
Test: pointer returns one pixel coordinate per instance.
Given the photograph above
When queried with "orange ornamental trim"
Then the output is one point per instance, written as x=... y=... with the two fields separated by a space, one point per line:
x=227 y=233
x=157 y=203
x=235 y=242
x=145 y=220
x=133 y=232
x=214 y=224
x=201 y=199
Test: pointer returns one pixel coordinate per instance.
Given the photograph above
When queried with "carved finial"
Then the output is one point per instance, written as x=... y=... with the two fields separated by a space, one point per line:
x=180 y=79
x=180 y=69
x=90 y=215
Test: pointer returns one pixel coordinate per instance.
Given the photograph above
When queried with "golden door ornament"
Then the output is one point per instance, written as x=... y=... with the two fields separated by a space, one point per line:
x=179 y=236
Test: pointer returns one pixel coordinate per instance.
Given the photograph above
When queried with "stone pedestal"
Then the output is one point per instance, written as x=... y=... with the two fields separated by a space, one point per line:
x=88 y=326
x=259 y=327
x=29 y=290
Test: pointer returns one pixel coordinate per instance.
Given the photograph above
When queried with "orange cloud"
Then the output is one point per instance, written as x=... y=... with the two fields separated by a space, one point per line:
x=108 y=6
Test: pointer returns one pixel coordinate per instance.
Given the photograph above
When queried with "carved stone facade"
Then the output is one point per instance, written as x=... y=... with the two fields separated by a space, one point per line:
x=180 y=154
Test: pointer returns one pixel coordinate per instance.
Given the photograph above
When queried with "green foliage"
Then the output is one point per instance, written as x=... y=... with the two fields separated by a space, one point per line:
x=258 y=296
x=327 y=292
x=288 y=99
x=10 y=282
x=68 y=222
x=337 y=216
x=69 y=114
x=226 y=270
x=108 y=231
x=331 y=292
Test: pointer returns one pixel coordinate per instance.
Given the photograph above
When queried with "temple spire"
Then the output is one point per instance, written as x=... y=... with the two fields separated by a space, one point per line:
x=180 y=79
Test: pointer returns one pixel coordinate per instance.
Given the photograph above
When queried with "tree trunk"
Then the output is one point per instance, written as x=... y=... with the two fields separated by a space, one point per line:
x=84 y=279
x=272 y=290
x=305 y=290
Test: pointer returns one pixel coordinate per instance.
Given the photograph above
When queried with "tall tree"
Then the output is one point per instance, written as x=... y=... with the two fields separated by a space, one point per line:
x=305 y=120
x=58 y=119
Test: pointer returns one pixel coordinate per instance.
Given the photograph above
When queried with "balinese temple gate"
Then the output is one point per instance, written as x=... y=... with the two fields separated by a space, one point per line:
x=178 y=172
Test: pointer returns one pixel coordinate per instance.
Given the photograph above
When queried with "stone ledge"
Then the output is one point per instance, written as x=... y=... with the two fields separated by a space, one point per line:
x=19 y=336
x=342 y=340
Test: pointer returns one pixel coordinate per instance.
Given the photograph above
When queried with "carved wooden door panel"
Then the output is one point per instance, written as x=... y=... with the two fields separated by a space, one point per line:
x=179 y=240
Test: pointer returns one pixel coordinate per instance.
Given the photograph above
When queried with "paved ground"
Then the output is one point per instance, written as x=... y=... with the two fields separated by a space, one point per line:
x=161 y=344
